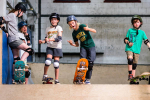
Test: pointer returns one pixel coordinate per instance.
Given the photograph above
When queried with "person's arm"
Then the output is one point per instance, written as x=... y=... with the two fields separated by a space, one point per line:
x=41 y=41
x=126 y=41
x=4 y=29
x=76 y=44
x=27 y=38
x=89 y=29
x=146 y=42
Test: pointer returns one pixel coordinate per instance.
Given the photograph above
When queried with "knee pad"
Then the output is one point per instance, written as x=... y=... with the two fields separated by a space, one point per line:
x=48 y=62
x=18 y=58
x=27 y=74
x=56 y=64
x=134 y=66
x=130 y=61
x=91 y=63
x=30 y=51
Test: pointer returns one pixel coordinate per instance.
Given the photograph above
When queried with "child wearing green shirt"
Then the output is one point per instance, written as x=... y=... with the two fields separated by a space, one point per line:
x=87 y=46
x=133 y=41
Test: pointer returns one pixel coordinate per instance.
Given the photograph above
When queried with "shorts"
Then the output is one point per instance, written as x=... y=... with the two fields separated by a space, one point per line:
x=54 y=52
x=15 y=44
x=89 y=54
x=134 y=55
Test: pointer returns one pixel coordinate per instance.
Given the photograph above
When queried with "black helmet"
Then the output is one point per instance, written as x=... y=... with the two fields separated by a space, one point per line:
x=54 y=15
x=20 y=6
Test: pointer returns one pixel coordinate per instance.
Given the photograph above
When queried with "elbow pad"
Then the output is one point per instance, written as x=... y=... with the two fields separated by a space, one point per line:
x=125 y=39
x=58 y=39
x=146 y=41
x=27 y=37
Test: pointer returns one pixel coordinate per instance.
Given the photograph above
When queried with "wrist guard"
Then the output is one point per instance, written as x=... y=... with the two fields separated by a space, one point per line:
x=3 y=28
x=27 y=37
x=126 y=39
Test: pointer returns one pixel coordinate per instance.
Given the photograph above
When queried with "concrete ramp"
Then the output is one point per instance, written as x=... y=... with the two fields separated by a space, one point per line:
x=75 y=92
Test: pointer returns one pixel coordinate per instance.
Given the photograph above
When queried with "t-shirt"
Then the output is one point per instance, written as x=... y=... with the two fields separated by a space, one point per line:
x=53 y=33
x=12 y=28
x=136 y=39
x=85 y=37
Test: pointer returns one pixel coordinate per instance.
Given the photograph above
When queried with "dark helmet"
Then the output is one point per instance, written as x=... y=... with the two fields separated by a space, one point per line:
x=21 y=24
x=70 y=18
x=136 y=17
x=54 y=15
x=20 y=6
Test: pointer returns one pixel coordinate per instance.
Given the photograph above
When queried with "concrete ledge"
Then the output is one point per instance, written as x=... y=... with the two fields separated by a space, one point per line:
x=75 y=92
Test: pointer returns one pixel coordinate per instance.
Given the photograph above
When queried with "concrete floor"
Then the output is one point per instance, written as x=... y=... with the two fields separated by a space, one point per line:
x=102 y=74
x=109 y=82
x=75 y=92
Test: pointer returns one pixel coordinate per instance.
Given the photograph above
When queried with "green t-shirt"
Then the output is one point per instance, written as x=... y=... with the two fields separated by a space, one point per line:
x=85 y=38
x=136 y=39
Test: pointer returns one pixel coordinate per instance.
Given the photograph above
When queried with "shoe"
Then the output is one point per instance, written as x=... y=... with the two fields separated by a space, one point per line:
x=87 y=81
x=44 y=77
x=132 y=82
x=130 y=76
x=57 y=82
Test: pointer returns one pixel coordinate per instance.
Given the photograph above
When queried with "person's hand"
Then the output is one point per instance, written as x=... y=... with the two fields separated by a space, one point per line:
x=130 y=44
x=26 y=34
x=7 y=34
x=40 y=41
x=46 y=39
x=70 y=41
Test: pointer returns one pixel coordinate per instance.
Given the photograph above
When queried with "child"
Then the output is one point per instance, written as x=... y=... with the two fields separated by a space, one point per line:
x=13 y=37
x=87 y=45
x=133 y=41
x=54 y=45
x=24 y=36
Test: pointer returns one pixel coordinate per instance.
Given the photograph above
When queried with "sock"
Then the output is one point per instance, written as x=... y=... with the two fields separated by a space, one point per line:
x=56 y=80
x=45 y=75
x=130 y=72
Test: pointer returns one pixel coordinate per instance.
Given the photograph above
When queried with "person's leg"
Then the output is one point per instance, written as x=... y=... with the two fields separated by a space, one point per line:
x=83 y=53
x=57 y=55
x=27 y=74
x=135 y=61
x=16 y=58
x=48 y=61
x=130 y=62
x=56 y=66
x=27 y=49
x=91 y=56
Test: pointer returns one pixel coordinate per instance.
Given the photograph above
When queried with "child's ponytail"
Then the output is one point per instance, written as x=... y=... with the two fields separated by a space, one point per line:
x=12 y=11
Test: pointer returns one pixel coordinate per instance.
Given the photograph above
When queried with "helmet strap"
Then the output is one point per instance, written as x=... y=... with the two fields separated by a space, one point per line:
x=18 y=13
x=137 y=29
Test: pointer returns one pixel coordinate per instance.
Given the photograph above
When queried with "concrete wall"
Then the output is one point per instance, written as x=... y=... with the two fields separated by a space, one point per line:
x=110 y=30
